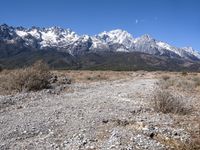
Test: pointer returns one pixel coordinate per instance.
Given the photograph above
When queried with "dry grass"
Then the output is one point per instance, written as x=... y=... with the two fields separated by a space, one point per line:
x=165 y=102
x=92 y=76
x=32 y=78
x=184 y=73
x=194 y=144
x=165 y=77
x=37 y=77
x=179 y=82
x=196 y=81
x=173 y=144
x=187 y=85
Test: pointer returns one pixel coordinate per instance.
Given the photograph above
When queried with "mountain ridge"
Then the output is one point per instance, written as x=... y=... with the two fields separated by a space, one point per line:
x=66 y=40
x=112 y=50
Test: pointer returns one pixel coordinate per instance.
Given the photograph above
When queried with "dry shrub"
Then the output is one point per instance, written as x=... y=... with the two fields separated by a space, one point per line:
x=184 y=73
x=165 y=77
x=165 y=102
x=194 y=144
x=165 y=84
x=180 y=83
x=92 y=76
x=1 y=68
x=196 y=81
x=32 y=78
x=185 y=84
x=173 y=144
x=97 y=77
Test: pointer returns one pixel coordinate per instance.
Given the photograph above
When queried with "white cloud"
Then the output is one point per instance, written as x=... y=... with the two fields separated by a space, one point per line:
x=136 y=21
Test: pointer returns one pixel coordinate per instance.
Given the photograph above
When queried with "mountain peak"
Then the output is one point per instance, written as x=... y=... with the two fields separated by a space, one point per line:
x=116 y=36
x=118 y=31
x=146 y=37
x=4 y=25
x=189 y=48
x=114 y=40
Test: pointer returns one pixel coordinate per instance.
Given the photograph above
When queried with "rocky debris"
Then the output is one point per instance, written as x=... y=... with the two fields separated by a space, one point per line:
x=61 y=80
x=167 y=132
x=54 y=79
x=144 y=142
x=5 y=102
x=96 y=115
x=59 y=84
x=11 y=100
x=79 y=141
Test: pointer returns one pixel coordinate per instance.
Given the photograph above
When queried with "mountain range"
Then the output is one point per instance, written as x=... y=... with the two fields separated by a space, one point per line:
x=63 y=48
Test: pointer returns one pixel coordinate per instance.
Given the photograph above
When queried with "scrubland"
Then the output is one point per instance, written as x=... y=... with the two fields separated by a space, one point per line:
x=91 y=110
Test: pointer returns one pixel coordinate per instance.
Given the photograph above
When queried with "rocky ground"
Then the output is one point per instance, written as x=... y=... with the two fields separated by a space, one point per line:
x=97 y=115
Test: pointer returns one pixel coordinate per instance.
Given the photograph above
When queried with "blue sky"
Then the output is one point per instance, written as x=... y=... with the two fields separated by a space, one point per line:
x=174 y=21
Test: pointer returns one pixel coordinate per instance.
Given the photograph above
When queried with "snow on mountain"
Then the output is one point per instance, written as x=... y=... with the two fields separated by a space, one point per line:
x=35 y=33
x=49 y=37
x=68 y=41
x=98 y=44
x=145 y=44
x=116 y=40
x=21 y=33
x=116 y=36
x=164 y=45
x=192 y=51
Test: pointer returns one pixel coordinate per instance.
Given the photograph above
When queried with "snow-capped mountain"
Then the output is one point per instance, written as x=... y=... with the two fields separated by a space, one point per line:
x=116 y=36
x=48 y=37
x=68 y=41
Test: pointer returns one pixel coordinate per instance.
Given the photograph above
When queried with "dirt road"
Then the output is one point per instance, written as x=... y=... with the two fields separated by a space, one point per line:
x=98 y=115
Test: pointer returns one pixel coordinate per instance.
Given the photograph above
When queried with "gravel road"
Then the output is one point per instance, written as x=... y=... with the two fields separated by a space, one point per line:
x=99 y=115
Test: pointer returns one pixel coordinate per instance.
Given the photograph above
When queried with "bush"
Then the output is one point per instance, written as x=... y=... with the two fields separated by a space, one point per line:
x=1 y=69
x=196 y=81
x=180 y=83
x=184 y=73
x=32 y=78
x=193 y=144
x=165 y=102
x=165 y=77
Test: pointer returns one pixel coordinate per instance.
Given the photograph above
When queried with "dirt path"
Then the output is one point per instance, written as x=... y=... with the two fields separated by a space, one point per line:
x=98 y=115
